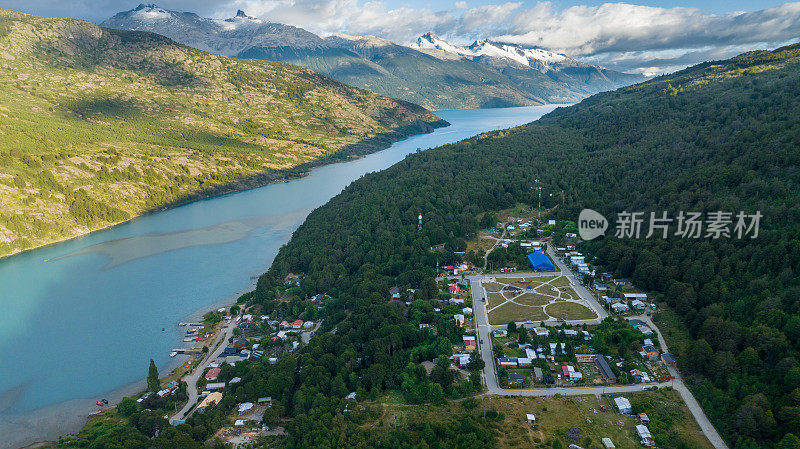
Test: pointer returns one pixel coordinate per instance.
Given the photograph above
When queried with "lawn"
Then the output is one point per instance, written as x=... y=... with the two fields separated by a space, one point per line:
x=533 y=299
x=570 y=311
x=514 y=312
x=492 y=286
x=495 y=299
x=561 y=281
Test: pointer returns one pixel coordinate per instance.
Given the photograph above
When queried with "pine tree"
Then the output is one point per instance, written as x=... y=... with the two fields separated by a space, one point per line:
x=153 y=384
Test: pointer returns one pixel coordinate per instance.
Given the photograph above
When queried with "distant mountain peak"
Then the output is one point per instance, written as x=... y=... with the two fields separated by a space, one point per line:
x=513 y=54
x=240 y=13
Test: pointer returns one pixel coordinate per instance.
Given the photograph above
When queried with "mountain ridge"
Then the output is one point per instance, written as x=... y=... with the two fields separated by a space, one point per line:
x=419 y=75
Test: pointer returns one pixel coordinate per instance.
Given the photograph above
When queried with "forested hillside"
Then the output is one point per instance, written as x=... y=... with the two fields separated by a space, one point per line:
x=718 y=136
x=98 y=125
x=722 y=135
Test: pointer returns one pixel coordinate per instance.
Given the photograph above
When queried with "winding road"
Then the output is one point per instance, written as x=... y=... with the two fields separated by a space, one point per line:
x=194 y=376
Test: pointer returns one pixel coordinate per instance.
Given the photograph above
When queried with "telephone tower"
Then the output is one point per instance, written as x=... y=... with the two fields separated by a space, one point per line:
x=419 y=223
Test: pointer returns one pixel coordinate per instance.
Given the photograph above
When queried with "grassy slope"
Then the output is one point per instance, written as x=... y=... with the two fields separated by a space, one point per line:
x=138 y=122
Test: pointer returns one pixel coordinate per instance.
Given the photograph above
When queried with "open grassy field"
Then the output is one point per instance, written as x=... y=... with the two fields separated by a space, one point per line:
x=671 y=423
x=494 y=299
x=532 y=299
x=514 y=312
x=570 y=311
x=492 y=286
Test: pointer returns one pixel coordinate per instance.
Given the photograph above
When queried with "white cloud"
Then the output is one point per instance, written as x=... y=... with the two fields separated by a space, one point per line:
x=619 y=35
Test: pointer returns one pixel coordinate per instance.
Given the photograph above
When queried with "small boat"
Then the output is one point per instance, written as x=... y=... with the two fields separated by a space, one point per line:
x=173 y=354
x=188 y=339
x=102 y=402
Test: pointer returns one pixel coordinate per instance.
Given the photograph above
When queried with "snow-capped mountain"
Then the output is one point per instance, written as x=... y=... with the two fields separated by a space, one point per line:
x=228 y=37
x=496 y=54
x=433 y=73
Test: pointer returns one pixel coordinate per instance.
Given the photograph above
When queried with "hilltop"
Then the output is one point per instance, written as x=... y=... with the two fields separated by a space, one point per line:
x=101 y=125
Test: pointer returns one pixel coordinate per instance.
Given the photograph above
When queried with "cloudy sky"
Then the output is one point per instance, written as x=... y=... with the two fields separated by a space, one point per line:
x=643 y=36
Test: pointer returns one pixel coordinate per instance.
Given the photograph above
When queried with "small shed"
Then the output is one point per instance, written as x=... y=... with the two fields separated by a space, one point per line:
x=530 y=418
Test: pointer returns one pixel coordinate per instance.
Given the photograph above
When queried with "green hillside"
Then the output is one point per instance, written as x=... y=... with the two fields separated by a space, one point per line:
x=718 y=136
x=99 y=125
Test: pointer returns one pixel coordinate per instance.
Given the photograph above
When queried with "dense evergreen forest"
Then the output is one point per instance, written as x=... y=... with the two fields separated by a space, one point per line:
x=718 y=136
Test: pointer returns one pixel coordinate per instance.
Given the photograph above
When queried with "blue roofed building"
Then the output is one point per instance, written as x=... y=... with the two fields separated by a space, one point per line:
x=540 y=262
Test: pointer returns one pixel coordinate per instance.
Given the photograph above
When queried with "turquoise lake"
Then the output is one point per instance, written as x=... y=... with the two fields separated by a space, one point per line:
x=81 y=319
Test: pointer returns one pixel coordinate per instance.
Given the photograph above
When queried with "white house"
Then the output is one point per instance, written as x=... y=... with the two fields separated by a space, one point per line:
x=637 y=304
x=541 y=331
x=623 y=405
x=632 y=296
x=619 y=307
x=644 y=435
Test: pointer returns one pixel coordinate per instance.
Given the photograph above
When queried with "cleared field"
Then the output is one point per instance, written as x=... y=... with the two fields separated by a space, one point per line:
x=570 y=311
x=514 y=312
x=533 y=299
x=671 y=423
x=481 y=244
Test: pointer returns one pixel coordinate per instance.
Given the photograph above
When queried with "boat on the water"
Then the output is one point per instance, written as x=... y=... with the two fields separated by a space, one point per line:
x=102 y=402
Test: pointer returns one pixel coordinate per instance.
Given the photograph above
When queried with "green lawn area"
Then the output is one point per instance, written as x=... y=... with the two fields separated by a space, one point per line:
x=561 y=281
x=514 y=312
x=533 y=299
x=492 y=286
x=570 y=311
x=523 y=282
x=494 y=299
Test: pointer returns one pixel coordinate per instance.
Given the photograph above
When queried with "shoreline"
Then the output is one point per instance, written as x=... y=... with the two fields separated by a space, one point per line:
x=254 y=181
x=76 y=412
